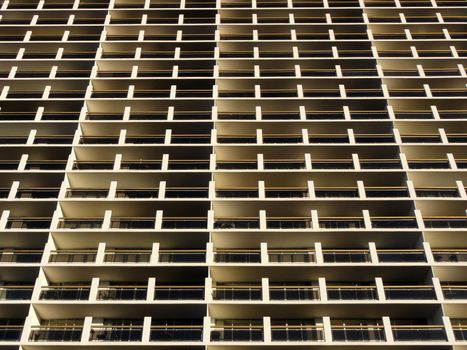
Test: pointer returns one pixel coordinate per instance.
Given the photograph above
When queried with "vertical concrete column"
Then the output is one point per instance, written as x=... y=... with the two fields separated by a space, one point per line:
x=100 y=256
x=154 y=259
x=323 y=290
x=267 y=332
x=327 y=329
x=461 y=189
x=438 y=289
x=419 y=219
x=319 y=253
x=428 y=253
x=388 y=329
x=265 y=289
x=94 y=289
x=262 y=220
x=311 y=190
x=452 y=161
x=380 y=289
x=107 y=219
x=206 y=329
x=208 y=291
x=112 y=190
x=146 y=336
x=261 y=190
x=158 y=219
x=314 y=219
x=448 y=329
x=308 y=162
x=117 y=162
x=356 y=161
x=86 y=333
x=264 y=253
x=209 y=253
x=13 y=190
x=151 y=289
x=373 y=252
x=367 y=219
x=361 y=190
x=211 y=220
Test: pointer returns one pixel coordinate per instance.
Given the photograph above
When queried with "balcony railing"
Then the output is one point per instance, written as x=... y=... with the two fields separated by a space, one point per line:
x=20 y=256
x=81 y=223
x=127 y=256
x=294 y=293
x=15 y=292
x=450 y=255
x=346 y=256
x=415 y=292
x=419 y=333
x=356 y=292
x=237 y=333
x=66 y=292
x=291 y=256
x=72 y=256
x=237 y=292
x=401 y=255
x=176 y=333
x=453 y=291
x=237 y=256
x=297 y=333
x=122 y=293
x=182 y=292
x=116 y=333
x=182 y=256
x=28 y=223
x=349 y=333
x=460 y=331
x=55 y=333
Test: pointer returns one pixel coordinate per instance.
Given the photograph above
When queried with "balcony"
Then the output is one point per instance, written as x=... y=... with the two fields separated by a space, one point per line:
x=415 y=292
x=182 y=256
x=352 y=292
x=37 y=193
x=186 y=192
x=122 y=256
x=291 y=256
x=418 y=333
x=180 y=223
x=346 y=256
x=236 y=223
x=297 y=333
x=179 y=292
x=394 y=222
x=237 y=193
x=237 y=292
x=293 y=292
x=460 y=330
x=237 y=256
x=20 y=256
x=401 y=255
x=446 y=222
x=65 y=292
x=86 y=193
x=288 y=223
x=237 y=333
x=341 y=223
x=336 y=192
x=137 y=193
x=73 y=256
x=80 y=223
x=450 y=255
x=56 y=333
x=25 y=223
x=455 y=291
x=117 y=333
x=176 y=333
x=286 y=192
x=358 y=333
x=122 y=292
x=142 y=223
x=237 y=165
x=15 y=292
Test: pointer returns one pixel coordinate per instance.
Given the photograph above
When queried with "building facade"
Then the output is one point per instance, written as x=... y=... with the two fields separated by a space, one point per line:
x=233 y=174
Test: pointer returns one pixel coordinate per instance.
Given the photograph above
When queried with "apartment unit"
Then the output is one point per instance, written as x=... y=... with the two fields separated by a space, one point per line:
x=233 y=174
